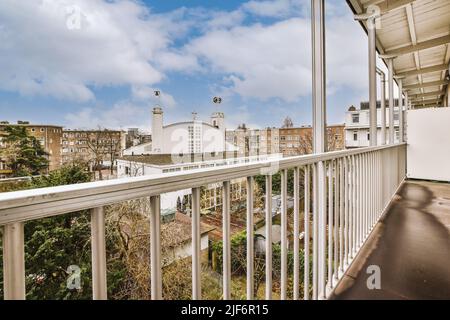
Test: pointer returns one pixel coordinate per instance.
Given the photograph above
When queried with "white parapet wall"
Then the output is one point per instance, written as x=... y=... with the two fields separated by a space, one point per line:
x=428 y=134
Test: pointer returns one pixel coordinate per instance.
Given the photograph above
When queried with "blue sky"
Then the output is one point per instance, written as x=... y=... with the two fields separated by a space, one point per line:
x=90 y=63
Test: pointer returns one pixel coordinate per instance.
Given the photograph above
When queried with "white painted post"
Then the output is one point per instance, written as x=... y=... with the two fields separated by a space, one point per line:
x=155 y=248
x=296 y=288
x=226 y=242
x=13 y=261
x=306 y=231
x=250 y=240
x=99 y=284
x=284 y=240
x=196 y=245
x=268 y=237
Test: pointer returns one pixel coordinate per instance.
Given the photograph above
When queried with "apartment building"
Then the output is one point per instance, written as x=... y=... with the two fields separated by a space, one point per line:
x=357 y=124
x=252 y=142
x=287 y=141
x=94 y=147
x=49 y=136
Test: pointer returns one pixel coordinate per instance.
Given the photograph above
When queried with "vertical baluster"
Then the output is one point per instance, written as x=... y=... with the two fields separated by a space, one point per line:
x=372 y=194
x=196 y=245
x=375 y=187
x=330 y=224
x=155 y=248
x=322 y=225
x=14 y=261
x=306 y=231
x=367 y=193
x=336 y=221
x=315 y=232
x=360 y=200
x=346 y=209
x=341 y=215
x=296 y=233
x=351 y=208
x=268 y=237
x=355 y=204
x=226 y=242
x=382 y=177
x=98 y=254
x=363 y=194
x=284 y=243
x=250 y=240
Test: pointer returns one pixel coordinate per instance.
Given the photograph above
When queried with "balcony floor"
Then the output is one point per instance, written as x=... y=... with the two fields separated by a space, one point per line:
x=411 y=245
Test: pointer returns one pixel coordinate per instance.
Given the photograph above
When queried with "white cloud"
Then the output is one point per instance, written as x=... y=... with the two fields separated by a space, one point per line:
x=121 y=116
x=118 y=42
x=262 y=61
x=274 y=61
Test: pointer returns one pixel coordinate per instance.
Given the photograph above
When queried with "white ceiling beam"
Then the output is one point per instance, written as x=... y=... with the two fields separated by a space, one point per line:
x=419 y=46
x=422 y=71
x=428 y=94
x=388 y=5
x=425 y=85
x=413 y=35
x=437 y=101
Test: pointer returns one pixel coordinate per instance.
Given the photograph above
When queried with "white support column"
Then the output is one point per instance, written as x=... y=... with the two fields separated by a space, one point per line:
x=383 y=106
x=13 y=262
x=400 y=109
x=405 y=110
x=307 y=228
x=341 y=215
x=391 y=100
x=372 y=81
x=296 y=287
x=319 y=132
x=318 y=76
x=330 y=224
x=99 y=285
x=284 y=239
x=226 y=255
x=250 y=240
x=268 y=293
x=155 y=248
x=196 y=245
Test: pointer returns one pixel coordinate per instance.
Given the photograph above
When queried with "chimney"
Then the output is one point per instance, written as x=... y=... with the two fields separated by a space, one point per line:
x=157 y=130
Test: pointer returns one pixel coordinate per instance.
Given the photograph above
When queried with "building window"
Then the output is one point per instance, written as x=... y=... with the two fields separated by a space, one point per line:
x=42 y=130
x=368 y=136
x=355 y=118
x=355 y=135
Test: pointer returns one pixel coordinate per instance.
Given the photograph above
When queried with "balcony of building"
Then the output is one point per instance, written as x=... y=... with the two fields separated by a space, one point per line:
x=368 y=229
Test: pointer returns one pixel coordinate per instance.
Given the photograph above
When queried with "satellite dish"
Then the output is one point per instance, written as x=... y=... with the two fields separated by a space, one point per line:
x=217 y=100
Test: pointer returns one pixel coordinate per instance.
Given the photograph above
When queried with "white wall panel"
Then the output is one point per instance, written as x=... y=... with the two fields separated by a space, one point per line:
x=428 y=133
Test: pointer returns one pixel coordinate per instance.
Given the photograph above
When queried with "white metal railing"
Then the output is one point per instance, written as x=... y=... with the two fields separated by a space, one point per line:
x=347 y=191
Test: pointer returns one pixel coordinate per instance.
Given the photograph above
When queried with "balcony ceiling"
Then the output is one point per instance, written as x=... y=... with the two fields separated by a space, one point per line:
x=417 y=32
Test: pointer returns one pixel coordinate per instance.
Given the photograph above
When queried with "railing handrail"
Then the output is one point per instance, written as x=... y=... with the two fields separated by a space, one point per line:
x=19 y=206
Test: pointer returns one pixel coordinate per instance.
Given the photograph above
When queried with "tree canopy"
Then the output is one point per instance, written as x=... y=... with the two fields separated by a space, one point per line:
x=24 y=154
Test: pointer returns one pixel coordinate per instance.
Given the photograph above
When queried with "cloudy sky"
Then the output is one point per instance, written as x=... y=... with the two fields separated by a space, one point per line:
x=89 y=63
